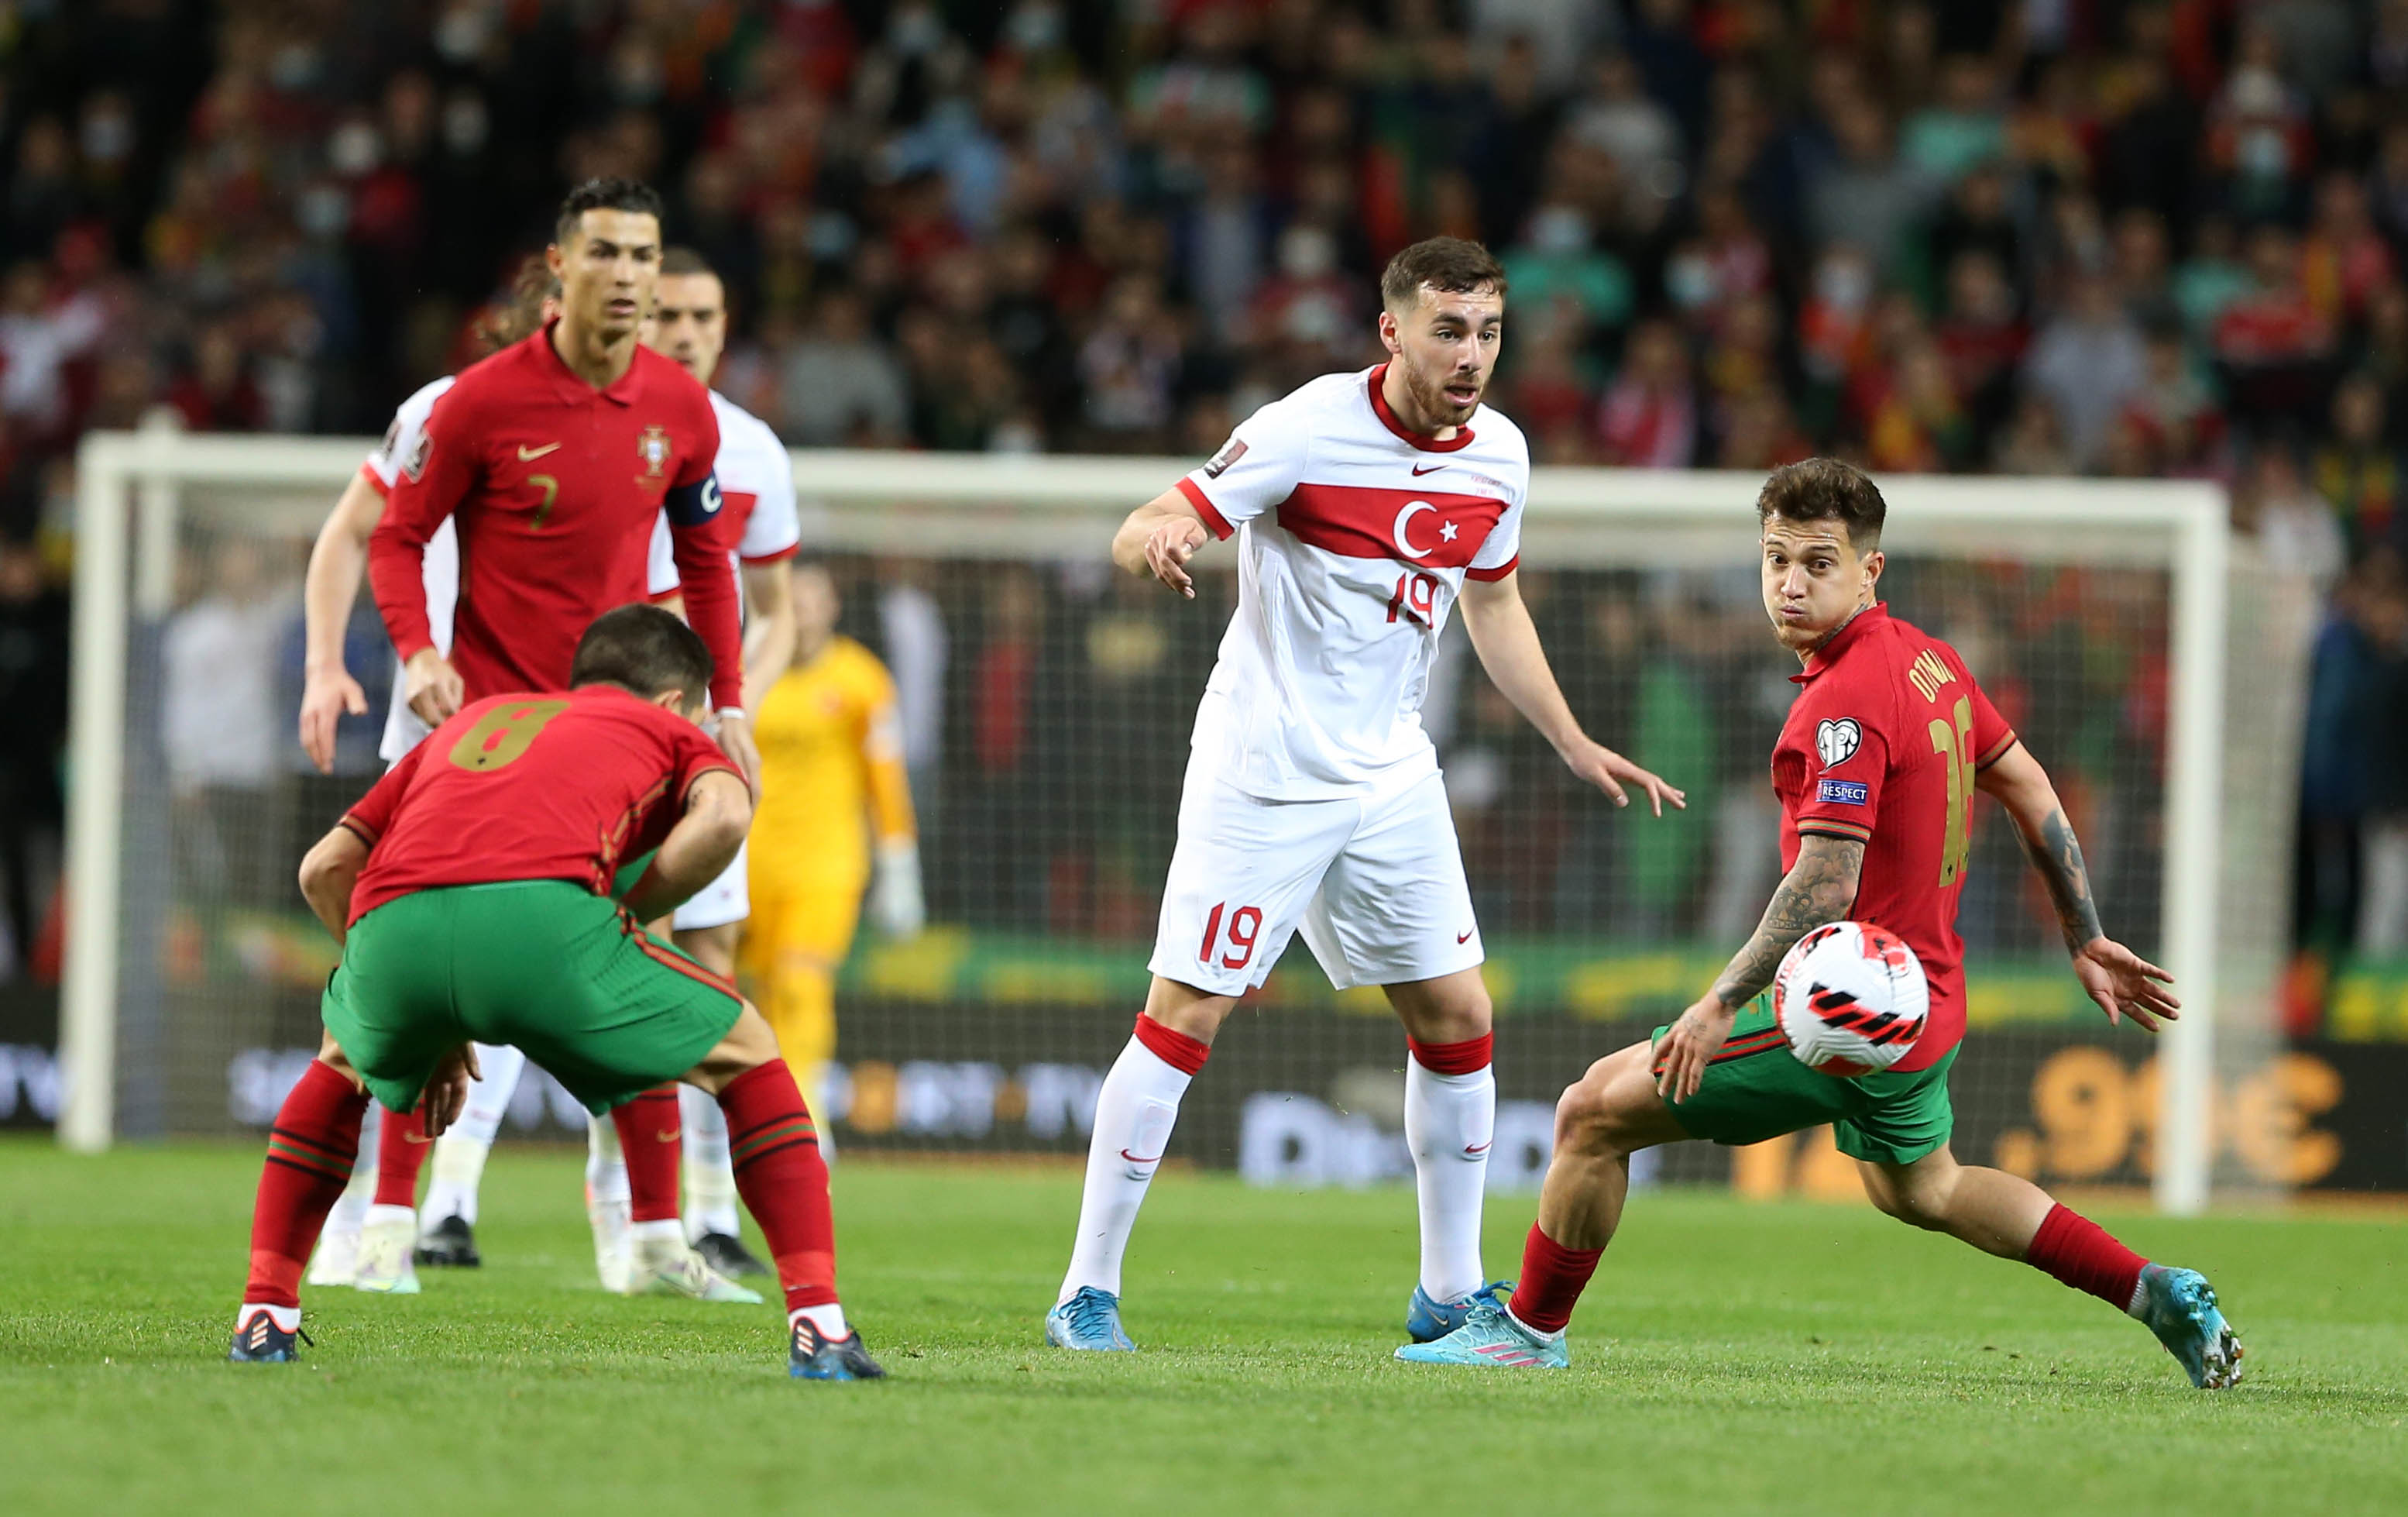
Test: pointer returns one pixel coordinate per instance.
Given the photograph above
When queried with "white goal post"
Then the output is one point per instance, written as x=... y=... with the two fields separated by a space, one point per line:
x=136 y=491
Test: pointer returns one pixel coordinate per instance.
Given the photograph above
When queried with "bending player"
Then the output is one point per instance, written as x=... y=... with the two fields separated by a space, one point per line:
x=472 y=891
x=555 y=458
x=1369 y=503
x=689 y=324
x=1875 y=771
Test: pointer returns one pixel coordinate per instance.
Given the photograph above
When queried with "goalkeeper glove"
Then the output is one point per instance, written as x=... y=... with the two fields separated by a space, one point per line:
x=895 y=903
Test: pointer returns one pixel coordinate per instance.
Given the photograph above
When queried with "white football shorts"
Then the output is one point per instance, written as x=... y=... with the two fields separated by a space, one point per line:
x=725 y=899
x=1375 y=882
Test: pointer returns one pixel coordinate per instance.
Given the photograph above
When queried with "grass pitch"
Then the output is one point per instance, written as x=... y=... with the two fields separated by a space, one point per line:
x=1731 y=1357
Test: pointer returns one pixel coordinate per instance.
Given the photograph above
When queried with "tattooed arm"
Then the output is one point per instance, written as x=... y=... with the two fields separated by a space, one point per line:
x=2119 y=981
x=1820 y=888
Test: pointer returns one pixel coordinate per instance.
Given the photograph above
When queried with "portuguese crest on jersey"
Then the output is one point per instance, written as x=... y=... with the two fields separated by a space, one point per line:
x=653 y=448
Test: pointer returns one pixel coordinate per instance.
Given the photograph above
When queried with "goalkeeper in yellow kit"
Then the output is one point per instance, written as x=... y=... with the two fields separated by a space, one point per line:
x=832 y=780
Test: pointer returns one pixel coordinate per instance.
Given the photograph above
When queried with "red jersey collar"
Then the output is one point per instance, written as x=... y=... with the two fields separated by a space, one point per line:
x=1828 y=653
x=621 y=391
x=1423 y=440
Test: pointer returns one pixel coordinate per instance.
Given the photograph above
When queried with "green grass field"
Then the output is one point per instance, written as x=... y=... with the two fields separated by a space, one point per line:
x=1731 y=1357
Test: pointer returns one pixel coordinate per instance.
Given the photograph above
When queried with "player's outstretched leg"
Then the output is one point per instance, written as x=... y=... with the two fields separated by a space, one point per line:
x=639 y=1246
x=337 y=1259
x=1135 y=1113
x=1449 y=1123
x=311 y=1152
x=447 y=1237
x=389 y=1234
x=785 y=1183
x=711 y=1225
x=2008 y=1215
x=1612 y=1113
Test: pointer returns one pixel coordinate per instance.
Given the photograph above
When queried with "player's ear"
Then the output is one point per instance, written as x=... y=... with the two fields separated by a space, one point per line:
x=1875 y=562
x=1388 y=337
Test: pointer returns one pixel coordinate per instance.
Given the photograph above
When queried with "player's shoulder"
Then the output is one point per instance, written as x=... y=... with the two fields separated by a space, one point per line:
x=1306 y=405
x=1498 y=435
x=412 y=411
x=739 y=428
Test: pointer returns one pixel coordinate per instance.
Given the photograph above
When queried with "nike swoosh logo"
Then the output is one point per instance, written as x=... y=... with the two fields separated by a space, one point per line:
x=1135 y=1159
x=665 y=1138
x=416 y=1137
x=1477 y=1147
x=527 y=454
x=1463 y=936
x=1418 y=470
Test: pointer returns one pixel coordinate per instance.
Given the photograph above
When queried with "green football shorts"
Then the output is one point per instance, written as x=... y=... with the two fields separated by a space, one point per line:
x=561 y=973
x=1755 y=1090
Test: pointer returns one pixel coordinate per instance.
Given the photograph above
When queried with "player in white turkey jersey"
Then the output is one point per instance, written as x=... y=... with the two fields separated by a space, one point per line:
x=1366 y=506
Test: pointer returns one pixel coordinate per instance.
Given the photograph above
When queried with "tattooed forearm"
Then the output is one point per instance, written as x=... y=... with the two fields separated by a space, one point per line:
x=2056 y=854
x=1820 y=888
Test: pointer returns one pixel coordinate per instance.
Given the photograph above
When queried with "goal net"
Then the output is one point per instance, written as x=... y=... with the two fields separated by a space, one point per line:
x=1046 y=702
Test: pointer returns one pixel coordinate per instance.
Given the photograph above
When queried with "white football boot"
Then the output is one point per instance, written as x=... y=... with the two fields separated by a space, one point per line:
x=661 y=1262
x=386 y=1240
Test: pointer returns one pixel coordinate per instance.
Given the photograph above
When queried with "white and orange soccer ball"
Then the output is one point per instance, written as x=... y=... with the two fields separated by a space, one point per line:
x=1851 y=999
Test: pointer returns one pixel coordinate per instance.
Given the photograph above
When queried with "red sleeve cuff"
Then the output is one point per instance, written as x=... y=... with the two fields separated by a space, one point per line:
x=1492 y=575
x=662 y=598
x=1997 y=751
x=359 y=828
x=375 y=481
x=778 y=558
x=1827 y=827
x=1214 y=522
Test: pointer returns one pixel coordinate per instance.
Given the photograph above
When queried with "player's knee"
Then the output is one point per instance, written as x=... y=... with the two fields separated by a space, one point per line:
x=1590 y=1117
x=1915 y=1200
x=748 y=1045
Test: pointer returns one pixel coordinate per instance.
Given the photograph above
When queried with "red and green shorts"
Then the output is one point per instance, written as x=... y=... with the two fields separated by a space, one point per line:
x=1754 y=1089
x=565 y=976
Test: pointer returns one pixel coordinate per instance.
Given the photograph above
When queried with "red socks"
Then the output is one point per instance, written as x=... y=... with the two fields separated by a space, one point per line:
x=309 y=1154
x=1173 y=1048
x=1553 y=1279
x=1468 y=1056
x=649 y=1136
x=401 y=1152
x=2084 y=1255
x=783 y=1178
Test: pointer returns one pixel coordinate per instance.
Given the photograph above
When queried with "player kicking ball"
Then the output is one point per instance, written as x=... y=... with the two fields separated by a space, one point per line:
x=1366 y=505
x=1875 y=769
x=474 y=892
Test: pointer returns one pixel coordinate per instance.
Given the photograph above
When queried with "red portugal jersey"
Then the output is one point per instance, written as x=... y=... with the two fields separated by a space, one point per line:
x=530 y=788
x=554 y=486
x=1881 y=747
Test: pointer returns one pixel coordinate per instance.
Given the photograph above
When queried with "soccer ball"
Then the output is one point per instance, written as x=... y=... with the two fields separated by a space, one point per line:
x=1851 y=999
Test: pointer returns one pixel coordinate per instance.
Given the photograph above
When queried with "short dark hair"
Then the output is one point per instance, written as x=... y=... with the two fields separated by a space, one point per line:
x=643 y=649
x=1442 y=262
x=604 y=195
x=685 y=260
x=1822 y=490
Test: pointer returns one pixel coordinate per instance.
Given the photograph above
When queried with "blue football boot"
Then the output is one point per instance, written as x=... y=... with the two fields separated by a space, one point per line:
x=815 y=1356
x=1427 y=1320
x=1090 y=1320
x=257 y=1340
x=1492 y=1337
x=2180 y=1307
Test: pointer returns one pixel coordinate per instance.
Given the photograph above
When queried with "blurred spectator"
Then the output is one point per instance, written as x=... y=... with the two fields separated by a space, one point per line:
x=2086 y=363
x=2295 y=529
x=2358 y=469
x=841 y=387
x=1126 y=370
x=1649 y=416
x=222 y=727
x=34 y=692
x=1866 y=195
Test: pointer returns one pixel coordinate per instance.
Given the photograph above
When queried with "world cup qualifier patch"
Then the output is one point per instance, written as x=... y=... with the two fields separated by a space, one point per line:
x=1842 y=792
x=1838 y=740
x=1230 y=452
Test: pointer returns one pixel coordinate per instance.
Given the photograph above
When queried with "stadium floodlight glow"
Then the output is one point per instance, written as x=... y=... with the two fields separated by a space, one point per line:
x=2232 y=642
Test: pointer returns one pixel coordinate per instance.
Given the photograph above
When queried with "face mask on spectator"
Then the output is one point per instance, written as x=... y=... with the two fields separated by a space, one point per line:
x=1559 y=229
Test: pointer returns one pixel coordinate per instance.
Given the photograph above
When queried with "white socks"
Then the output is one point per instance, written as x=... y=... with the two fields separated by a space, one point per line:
x=710 y=1179
x=1449 y=1122
x=1134 y=1115
x=606 y=1169
x=829 y=1320
x=460 y=1153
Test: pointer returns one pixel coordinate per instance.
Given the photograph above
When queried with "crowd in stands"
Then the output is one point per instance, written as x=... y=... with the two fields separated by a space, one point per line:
x=2028 y=237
